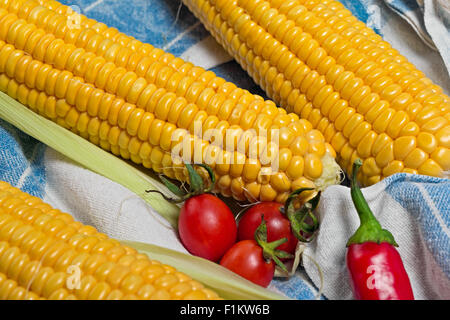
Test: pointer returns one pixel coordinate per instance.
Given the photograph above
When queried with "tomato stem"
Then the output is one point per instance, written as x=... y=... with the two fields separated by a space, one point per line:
x=196 y=184
x=269 y=248
x=299 y=217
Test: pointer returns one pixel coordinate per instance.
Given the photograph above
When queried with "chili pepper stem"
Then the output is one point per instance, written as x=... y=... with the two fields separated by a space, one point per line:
x=370 y=229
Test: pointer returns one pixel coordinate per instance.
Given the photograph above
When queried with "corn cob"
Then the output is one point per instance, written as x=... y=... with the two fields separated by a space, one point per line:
x=120 y=38
x=218 y=106
x=40 y=247
x=148 y=62
x=59 y=23
x=315 y=59
x=136 y=117
x=227 y=103
x=98 y=38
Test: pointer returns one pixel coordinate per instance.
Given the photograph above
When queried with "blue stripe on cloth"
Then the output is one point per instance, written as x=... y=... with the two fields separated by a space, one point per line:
x=21 y=160
x=299 y=286
x=428 y=201
x=368 y=11
x=359 y=9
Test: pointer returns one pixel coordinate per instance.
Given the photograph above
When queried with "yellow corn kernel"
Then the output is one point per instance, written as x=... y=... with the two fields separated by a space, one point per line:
x=442 y=156
x=393 y=167
x=429 y=167
x=415 y=158
x=403 y=146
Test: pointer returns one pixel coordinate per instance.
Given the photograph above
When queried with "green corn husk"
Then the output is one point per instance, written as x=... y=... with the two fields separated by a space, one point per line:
x=88 y=155
x=226 y=283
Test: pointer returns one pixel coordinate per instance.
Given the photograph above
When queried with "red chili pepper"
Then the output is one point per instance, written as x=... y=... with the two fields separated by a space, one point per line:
x=375 y=266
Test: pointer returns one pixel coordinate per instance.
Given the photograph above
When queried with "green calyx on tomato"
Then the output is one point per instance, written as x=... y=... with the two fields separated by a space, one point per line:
x=303 y=221
x=196 y=184
x=269 y=248
x=206 y=225
x=370 y=229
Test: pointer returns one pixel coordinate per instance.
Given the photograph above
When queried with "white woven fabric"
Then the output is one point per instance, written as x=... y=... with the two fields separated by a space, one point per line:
x=112 y=209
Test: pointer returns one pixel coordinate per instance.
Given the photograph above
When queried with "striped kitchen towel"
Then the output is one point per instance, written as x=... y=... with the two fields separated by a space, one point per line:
x=414 y=208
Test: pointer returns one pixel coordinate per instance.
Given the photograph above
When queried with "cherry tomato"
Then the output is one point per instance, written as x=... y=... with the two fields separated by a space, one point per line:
x=246 y=259
x=278 y=226
x=206 y=226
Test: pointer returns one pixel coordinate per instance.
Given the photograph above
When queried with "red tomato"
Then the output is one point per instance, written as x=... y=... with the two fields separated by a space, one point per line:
x=278 y=226
x=246 y=259
x=206 y=226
